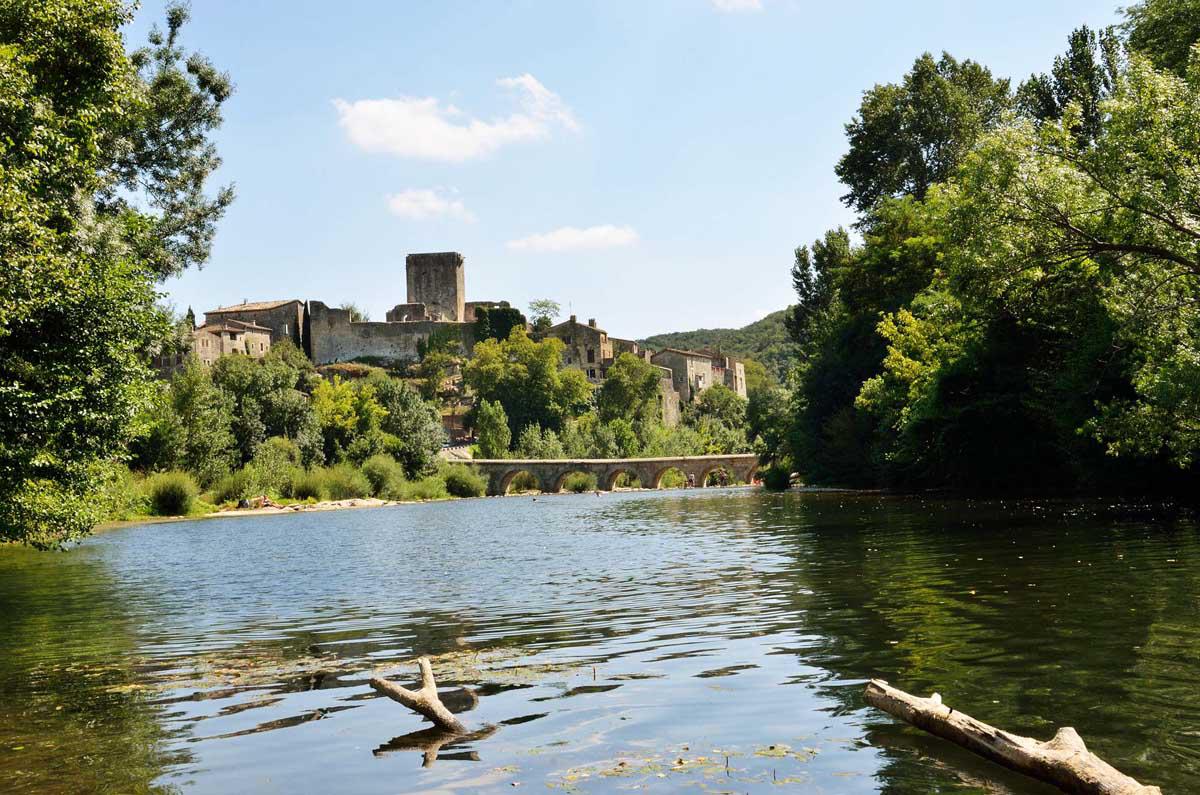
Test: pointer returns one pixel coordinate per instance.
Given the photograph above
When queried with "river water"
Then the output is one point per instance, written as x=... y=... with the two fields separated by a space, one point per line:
x=716 y=640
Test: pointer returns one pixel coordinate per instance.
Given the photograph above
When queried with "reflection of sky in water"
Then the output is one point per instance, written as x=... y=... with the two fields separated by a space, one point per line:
x=677 y=630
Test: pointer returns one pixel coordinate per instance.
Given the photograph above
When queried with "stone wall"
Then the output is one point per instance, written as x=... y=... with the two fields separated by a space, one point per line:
x=406 y=312
x=436 y=280
x=668 y=399
x=334 y=338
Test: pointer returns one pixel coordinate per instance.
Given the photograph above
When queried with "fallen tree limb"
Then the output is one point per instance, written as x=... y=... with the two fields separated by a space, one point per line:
x=1063 y=761
x=424 y=701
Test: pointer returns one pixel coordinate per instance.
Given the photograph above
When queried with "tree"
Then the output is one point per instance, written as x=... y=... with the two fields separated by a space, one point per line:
x=631 y=391
x=527 y=378
x=723 y=404
x=1164 y=31
x=535 y=442
x=103 y=162
x=1084 y=76
x=1119 y=221
x=909 y=136
x=207 y=446
x=497 y=322
x=415 y=427
x=350 y=417
x=357 y=314
x=813 y=280
x=543 y=312
x=492 y=430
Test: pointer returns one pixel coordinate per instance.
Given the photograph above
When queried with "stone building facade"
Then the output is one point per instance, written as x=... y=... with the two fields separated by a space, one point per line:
x=214 y=340
x=692 y=372
x=588 y=347
x=284 y=318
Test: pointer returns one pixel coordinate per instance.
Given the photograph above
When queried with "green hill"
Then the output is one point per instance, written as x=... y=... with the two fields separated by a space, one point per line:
x=765 y=340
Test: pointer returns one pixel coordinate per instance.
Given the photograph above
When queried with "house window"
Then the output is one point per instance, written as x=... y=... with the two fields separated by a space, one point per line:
x=285 y=329
x=260 y=346
x=591 y=373
x=591 y=355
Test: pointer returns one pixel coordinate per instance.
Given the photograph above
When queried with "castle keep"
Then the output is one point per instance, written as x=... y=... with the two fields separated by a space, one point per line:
x=435 y=304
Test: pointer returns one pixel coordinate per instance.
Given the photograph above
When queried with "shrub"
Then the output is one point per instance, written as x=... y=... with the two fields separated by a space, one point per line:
x=428 y=488
x=309 y=484
x=345 y=481
x=171 y=493
x=523 y=481
x=124 y=496
x=385 y=475
x=672 y=479
x=234 y=486
x=462 y=481
x=776 y=478
x=579 y=482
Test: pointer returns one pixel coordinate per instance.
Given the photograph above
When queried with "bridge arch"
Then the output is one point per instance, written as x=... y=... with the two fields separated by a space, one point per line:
x=609 y=481
x=561 y=480
x=504 y=481
x=659 y=473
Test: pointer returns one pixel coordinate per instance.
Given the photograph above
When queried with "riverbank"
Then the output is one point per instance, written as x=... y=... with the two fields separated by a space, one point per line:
x=266 y=510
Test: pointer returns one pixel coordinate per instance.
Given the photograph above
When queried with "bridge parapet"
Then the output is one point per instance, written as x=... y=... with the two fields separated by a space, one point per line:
x=551 y=473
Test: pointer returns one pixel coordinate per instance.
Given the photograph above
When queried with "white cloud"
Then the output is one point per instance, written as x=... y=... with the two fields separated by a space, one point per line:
x=570 y=238
x=419 y=205
x=425 y=128
x=737 y=6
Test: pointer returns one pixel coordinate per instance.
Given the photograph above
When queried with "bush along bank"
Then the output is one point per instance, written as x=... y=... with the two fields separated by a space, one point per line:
x=174 y=493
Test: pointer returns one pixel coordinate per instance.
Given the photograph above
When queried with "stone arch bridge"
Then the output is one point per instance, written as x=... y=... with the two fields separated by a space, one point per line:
x=551 y=473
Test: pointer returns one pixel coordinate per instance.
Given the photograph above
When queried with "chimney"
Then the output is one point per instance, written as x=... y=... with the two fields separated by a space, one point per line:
x=592 y=322
x=572 y=318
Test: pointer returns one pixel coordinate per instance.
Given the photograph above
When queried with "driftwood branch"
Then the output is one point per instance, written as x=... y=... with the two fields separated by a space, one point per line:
x=1063 y=761
x=424 y=701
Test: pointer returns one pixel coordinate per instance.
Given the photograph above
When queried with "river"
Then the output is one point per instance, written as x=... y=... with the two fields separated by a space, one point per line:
x=711 y=639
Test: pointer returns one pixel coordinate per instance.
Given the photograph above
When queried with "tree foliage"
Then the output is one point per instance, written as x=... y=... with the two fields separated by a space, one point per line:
x=492 y=430
x=910 y=135
x=1028 y=319
x=103 y=161
x=1164 y=31
x=526 y=378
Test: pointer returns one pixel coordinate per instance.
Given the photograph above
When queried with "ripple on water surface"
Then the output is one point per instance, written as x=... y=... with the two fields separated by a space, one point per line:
x=714 y=638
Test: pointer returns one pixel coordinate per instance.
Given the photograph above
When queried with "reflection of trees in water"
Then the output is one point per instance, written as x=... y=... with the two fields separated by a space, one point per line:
x=1012 y=614
x=71 y=696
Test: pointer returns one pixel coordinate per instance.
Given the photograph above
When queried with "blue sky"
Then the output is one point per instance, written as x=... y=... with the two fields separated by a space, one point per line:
x=650 y=164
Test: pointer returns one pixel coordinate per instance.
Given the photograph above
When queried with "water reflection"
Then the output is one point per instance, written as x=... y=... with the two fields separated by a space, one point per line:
x=718 y=638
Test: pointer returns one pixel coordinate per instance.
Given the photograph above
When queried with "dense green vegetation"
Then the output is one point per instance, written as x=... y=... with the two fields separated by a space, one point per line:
x=765 y=341
x=531 y=406
x=103 y=161
x=1021 y=307
x=273 y=427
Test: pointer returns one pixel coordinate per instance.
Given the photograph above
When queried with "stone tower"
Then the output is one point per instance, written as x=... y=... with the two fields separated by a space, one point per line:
x=436 y=280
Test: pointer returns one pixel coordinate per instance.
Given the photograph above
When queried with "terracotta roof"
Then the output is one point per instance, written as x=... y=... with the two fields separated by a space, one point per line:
x=253 y=306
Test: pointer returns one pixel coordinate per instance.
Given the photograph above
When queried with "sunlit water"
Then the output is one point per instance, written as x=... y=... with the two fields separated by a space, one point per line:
x=639 y=641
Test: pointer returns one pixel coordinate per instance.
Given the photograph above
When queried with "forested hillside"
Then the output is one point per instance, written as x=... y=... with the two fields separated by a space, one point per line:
x=765 y=340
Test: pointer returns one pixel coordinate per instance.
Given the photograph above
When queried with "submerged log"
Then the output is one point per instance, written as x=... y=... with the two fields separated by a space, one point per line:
x=424 y=701
x=1063 y=761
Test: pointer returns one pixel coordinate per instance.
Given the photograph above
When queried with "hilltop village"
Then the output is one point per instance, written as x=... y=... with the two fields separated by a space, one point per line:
x=435 y=307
